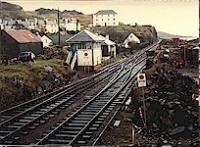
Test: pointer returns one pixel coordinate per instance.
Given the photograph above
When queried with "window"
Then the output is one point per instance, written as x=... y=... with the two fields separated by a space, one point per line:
x=102 y=19
x=96 y=19
x=113 y=19
x=108 y=19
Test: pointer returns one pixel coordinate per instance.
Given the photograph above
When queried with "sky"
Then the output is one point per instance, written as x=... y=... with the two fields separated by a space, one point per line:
x=180 y=17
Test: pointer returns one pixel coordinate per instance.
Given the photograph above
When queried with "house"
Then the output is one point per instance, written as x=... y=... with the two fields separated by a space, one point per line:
x=105 y=18
x=46 y=41
x=71 y=24
x=85 y=49
x=51 y=26
x=123 y=38
x=108 y=47
x=16 y=41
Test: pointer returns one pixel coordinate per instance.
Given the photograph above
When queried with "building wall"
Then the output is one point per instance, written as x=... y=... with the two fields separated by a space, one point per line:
x=71 y=25
x=35 y=47
x=105 y=20
x=13 y=48
x=85 y=57
x=51 y=26
x=131 y=38
x=46 y=41
x=10 y=46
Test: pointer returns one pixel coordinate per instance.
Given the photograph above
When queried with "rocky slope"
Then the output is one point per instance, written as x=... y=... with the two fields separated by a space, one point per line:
x=10 y=7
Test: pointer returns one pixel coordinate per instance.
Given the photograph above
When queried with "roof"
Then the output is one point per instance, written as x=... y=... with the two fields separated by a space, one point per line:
x=105 y=12
x=63 y=37
x=107 y=41
x=85 y=36
x=22 y=36
x=118 y=37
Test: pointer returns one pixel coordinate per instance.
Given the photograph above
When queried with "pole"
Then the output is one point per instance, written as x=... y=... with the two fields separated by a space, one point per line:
x=133 y=134
x=144 y=107
x=58 y=27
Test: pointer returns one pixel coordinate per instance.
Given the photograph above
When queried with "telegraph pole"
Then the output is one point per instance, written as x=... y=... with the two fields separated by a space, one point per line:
x=58 y=27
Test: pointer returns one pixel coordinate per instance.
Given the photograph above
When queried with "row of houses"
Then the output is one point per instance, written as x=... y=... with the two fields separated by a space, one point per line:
x=100 y=18
x=44 y=25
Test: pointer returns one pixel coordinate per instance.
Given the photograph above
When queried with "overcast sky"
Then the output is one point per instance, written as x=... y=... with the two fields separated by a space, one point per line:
x=179 y=17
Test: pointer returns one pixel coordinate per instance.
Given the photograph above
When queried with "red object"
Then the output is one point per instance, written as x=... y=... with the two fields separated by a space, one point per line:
x=22 y=36
x=141 y=77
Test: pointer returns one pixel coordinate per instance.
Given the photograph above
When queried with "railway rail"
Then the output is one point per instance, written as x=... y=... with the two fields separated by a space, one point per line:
x=28 y=116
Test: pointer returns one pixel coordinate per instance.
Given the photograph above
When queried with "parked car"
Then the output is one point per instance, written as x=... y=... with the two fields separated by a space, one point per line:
x=26 y=56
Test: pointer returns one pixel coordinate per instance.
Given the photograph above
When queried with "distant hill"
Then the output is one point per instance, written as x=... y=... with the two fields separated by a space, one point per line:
x=42 y=11
x=10 y=7
x=168 y=35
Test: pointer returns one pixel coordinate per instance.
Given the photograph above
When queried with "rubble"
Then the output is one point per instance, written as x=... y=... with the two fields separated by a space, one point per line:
x=171 y=112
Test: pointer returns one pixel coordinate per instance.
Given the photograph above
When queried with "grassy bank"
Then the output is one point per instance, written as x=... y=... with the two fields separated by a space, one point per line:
x=11 y=77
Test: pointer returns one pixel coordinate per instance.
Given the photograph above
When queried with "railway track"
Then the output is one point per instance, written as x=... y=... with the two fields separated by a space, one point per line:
x=28 y=116
x=7 y=114
x=79 y=128
x=32 y=116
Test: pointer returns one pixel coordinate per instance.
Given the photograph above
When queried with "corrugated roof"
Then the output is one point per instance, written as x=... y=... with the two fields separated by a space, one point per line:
x=84 y=36
x=22 y=36
x=105 y=12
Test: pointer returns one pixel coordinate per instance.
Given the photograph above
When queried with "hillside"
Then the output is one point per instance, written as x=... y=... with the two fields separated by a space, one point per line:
x=168 y=35
x=42 y=11
x=144 y=32
x=10 y=7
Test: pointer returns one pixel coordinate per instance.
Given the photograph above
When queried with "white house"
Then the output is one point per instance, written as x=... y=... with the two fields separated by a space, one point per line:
x=123 y=38
x=46 y=41
x=105 y=18
x=71 y=24
x=130 y=38
x=51 y=26
x=85 y=49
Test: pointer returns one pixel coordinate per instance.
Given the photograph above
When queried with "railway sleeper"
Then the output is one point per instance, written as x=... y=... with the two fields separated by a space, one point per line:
x=86 y=136
x=25 y=120
x=35 y=115
x=74 y=132
x=98 y=121
x=76 y=124
x=84 y=116
x=82 y=142
x=19 y=123
x=72 y=128
x=66 y=136
x=12 y=127
x=29 y=117
x=88 y=132
x=92 y=128
x=79 y=121
x=39 y=112
x=95 y=125
x=59 y=141
x=88 y=112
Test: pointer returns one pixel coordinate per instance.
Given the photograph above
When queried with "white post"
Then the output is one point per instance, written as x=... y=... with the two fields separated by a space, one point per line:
x=133 y=134
x=144 y=107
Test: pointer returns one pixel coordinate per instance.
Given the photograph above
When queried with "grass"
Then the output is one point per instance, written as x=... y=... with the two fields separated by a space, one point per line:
x=30 y=73
x=24 y=70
